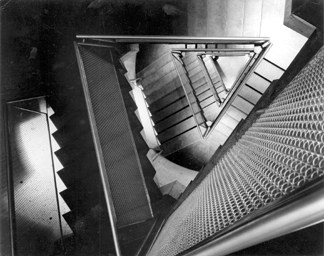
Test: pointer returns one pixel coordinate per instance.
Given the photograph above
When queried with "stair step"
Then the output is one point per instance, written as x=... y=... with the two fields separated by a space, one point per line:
x=74 y=128
x=269 y=71
x=207 y=102
x=201 y=89
x=156 y=65
x=71 y=218
x=82 y=167
x=169 y=110
x=252 y=18
x=65 y=135
x=195 y=72
x=191 y=63
x=258 y=83
x=157 y=85
x=236 y=113
x=61 y=118
x=224 y=129
x=83 y=195
x=180 y=142
x=165 y=90
x=75 y=149
x=190 y=57
x=176 y=130
x=174 y=119
x=229 y=121
x=218 y=136
x=159 y=73
x=242 y=104
x=212 y=111
x=249 y=94
x=198 y=79
x=281 y=54
x=167 y=100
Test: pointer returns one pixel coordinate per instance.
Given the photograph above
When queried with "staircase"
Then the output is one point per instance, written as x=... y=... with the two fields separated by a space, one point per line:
x=180 y=129
x=80 y=172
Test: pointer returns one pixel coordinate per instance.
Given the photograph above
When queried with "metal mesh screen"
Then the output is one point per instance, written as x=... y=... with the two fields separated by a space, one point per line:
x=124 y=172
x=36 y=209
x=281 y=151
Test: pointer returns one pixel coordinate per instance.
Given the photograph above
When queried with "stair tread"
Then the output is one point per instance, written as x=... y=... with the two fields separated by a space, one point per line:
x=157 y=85
x=235 y=113
x=229 y=121
x=176 y=130
x=249 y=94
x=268 y=70
x=165 y=90
x=173 y=119
x=218 y=136
x=180 y=142
x=75 y=148
x=169 y=110
x=82 y=167
x=224 y=129
x=242 y=104
x=258 y=83
x=166 y=100
x=154 y=66
x=152 y=78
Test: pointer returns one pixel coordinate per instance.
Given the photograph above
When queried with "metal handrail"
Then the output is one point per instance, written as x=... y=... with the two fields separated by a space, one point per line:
x=216 y=71
x=186 y=94
x=101 y=163
x=176 y=39
x=209 y=80
x=297 y=211
x=240 y=81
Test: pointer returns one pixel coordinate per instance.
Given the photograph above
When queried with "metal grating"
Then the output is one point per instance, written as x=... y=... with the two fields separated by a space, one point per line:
x=281 y=151
x=36 y=209
x=126 y=181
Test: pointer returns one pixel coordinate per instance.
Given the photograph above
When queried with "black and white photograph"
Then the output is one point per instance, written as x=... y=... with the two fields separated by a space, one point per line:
x=162 y=127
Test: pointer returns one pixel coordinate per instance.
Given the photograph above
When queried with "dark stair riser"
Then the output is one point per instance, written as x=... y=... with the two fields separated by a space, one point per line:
x=75 y=149
x=141 y=146
x=61 y=118
x=79 y=169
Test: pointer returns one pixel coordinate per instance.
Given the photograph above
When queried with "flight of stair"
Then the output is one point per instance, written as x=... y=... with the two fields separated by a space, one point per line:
x=173 y=119
x=174 y=123
x=80 y=172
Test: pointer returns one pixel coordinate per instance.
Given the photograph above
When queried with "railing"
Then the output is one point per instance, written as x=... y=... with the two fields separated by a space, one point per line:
x=217 y=218
x=101 y=162
x=176 y=39
x=186 y=94
x=209 y=80
x=216 y=71
x=239 y=83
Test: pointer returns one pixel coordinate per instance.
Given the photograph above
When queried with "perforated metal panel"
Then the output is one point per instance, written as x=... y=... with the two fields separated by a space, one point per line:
x=128 y=189
x=283 y=150
x=36 y=209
